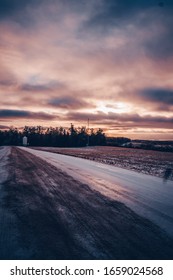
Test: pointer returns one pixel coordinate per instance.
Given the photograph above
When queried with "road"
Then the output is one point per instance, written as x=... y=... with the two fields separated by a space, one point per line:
x=46 y=213
x=147 y=195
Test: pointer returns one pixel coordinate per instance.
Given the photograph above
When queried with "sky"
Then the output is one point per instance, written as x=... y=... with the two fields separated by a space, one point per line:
x=64 y=61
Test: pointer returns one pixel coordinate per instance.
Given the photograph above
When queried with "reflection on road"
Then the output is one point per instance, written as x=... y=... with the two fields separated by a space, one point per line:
x=147 y=195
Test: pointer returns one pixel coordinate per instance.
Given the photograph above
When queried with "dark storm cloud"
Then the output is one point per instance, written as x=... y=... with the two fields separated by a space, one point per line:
x=68 y=102
x=129 y=120
x=33 y=88
x=105 y=11
x=154 y=95
x=156 y=17
x=161 y=46
x=19 y=114
x=115 y=11
x=10 y=7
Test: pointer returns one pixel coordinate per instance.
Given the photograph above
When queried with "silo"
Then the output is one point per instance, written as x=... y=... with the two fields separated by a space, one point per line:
x=25 y=141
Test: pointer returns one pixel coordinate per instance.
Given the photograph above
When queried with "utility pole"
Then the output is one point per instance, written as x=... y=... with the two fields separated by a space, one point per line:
x=88 y=133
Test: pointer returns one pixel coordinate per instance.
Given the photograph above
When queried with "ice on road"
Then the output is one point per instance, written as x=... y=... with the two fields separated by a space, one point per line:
x=147 y=195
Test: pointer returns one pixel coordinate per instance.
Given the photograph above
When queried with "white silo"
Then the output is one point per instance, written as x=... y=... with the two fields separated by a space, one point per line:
x=25 y=141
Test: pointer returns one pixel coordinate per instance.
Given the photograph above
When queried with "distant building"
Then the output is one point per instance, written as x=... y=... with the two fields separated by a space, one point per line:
x=25 y=141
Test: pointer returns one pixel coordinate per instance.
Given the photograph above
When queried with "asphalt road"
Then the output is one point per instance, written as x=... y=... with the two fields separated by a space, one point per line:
x=147 y=195
x=47 y=214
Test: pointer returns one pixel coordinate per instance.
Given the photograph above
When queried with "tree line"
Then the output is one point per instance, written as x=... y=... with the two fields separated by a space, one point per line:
x=53 y=137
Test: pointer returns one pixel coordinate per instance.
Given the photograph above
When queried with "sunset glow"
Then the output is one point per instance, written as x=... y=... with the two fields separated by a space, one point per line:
x=63 y=62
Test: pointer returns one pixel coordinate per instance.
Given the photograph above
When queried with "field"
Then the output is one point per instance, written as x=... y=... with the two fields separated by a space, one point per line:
x=46 y=213
x=144 y=161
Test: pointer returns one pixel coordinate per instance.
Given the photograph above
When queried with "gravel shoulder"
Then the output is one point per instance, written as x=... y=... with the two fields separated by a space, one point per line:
x=49 y=215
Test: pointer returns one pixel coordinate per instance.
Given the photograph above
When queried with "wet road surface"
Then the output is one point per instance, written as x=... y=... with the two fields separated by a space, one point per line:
x=147 y=195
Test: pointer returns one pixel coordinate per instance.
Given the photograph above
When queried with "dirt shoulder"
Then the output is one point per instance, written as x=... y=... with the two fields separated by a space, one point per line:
x=57 y=217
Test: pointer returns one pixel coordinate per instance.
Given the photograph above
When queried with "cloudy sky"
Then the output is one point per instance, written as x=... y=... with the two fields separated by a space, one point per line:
x=111 y=61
